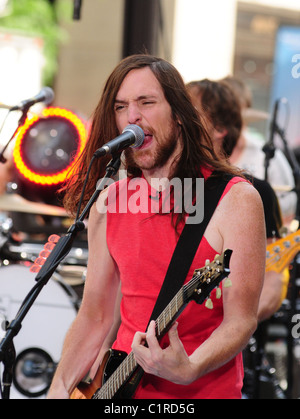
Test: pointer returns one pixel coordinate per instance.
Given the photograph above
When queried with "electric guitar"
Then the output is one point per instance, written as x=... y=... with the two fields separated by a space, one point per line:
x=119 y=375
x=282 y=252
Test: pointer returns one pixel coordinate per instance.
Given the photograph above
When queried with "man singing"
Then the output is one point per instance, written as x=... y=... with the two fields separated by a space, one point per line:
x=201 y=356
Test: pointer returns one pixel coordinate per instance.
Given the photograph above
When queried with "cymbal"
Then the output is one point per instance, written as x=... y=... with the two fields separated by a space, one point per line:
x=254 y=115
x=4 y=106
x=15 y=203
x=283 y=188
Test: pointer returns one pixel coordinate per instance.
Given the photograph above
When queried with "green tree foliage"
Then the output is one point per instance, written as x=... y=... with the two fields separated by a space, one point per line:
x=39 y=18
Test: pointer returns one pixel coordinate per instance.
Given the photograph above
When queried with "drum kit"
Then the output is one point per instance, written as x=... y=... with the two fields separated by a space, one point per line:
x=39 y=344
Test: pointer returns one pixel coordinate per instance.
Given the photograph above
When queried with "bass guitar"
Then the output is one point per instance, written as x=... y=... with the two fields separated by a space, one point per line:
x=282 y=252
x=119 y=374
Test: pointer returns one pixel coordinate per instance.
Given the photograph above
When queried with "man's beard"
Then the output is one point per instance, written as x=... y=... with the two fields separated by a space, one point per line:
x=161 y=156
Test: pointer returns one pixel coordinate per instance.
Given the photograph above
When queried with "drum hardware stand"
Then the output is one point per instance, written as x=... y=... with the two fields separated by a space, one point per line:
x=61 y=250
x=293 y=278
x=8 y=362
x=269 y=149
x=262 y=368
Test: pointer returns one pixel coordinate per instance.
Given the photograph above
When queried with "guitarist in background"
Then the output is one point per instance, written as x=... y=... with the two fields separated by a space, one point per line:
x=224 y=118
x=218 y=101
x=201 y=356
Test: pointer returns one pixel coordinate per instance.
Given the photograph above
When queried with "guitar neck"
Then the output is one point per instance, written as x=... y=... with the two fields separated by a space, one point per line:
x=170 y=314
x=129 y=366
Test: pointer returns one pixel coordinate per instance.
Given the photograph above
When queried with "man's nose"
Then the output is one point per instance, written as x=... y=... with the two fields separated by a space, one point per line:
x=134 y=114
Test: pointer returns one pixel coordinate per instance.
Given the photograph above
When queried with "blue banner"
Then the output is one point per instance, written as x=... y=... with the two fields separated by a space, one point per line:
x=286 y=83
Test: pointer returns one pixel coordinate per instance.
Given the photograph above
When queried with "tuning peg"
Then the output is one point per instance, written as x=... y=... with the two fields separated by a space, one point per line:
x=227 y=283
x=217 y=259
x=209 y=303
x=207 y=262
x=218 y=293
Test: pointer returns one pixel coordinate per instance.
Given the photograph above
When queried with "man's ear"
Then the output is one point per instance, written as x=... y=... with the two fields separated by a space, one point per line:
x=178 y=121
x=220 y=132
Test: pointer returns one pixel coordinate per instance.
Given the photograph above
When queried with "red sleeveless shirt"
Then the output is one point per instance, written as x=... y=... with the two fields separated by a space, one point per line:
x=142 y=245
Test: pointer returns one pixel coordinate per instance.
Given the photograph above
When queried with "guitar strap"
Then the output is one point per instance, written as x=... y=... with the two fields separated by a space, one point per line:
x=188 y=244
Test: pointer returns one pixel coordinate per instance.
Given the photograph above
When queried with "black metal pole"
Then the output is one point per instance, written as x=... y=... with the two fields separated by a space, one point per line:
x=141 y=27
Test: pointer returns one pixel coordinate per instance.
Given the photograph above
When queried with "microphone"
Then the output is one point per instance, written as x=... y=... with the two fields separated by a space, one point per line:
x=132 y=136
x=274 y=120
x=45 y=95
x=269 y=148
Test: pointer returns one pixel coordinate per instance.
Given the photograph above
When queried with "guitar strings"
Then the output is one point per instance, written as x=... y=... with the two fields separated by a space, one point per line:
x=123 y=372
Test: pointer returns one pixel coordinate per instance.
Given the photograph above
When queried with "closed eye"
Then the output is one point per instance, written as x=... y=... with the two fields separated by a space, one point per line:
x=148 y=103
x=119 y=107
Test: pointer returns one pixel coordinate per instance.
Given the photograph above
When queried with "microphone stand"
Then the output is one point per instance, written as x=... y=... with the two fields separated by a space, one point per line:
x=293 y=277
x=21 y=121
x=294 y=165
x=61 y=250
x=269 y=148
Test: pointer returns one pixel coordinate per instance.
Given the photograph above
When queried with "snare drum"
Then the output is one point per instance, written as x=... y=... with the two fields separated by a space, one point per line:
x=39 y=342
x=71 y=271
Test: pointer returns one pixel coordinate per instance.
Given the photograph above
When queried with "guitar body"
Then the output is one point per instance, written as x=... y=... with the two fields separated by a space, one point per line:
x=111 y=361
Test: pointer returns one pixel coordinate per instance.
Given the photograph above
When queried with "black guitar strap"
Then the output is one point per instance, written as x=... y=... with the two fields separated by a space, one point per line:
x=188 y=244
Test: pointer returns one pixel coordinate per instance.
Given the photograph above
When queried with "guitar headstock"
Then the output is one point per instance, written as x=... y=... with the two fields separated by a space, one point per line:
x=282 y=252
x=206 y=279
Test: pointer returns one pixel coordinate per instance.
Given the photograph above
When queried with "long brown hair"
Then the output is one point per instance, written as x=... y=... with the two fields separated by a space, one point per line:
x=222 y=108
x=197 y=147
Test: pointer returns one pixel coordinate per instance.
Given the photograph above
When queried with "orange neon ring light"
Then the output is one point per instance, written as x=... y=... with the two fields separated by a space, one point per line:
x=53 y=179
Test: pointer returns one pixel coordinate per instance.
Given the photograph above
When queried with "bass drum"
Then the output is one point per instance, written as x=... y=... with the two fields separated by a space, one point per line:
x=39 y=343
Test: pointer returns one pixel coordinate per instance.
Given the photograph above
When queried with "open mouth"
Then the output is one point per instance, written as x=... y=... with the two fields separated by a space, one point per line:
x=147 y=141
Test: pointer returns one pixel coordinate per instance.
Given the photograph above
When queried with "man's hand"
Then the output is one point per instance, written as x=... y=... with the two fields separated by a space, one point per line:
x=172 y=363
